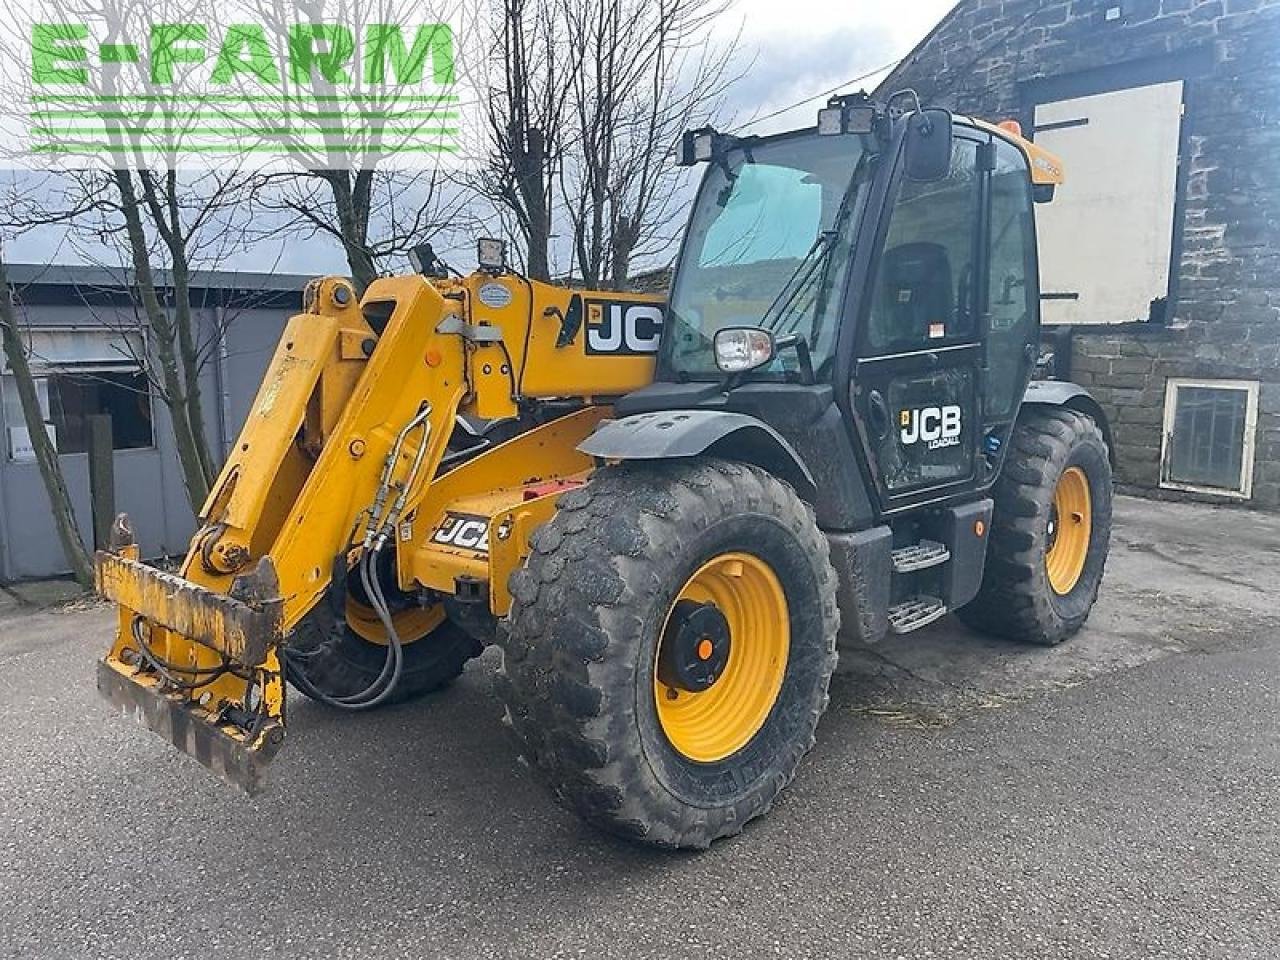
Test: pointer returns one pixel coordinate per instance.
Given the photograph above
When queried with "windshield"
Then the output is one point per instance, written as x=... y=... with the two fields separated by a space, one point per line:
x=768 y=245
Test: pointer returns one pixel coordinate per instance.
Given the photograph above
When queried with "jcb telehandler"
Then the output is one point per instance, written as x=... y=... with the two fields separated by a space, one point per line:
x=664 y=514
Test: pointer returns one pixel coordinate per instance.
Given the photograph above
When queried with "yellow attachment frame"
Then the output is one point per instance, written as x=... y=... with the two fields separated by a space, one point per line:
x=344 y=444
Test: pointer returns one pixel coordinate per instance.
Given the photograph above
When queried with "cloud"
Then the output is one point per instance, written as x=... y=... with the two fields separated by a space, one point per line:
x=795 y=50
x=785 y=73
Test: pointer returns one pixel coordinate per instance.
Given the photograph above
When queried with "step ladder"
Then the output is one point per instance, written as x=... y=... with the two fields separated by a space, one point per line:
x=920 y=610
x=915 y=613
x=920 y=556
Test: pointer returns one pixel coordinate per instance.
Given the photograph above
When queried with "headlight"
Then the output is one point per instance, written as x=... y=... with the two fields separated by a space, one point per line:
x=739 y=349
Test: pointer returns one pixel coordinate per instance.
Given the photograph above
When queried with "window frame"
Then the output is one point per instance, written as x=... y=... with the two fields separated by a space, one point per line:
x=1251 y=390
x=41 y=369
x=664 y=369
x=1031 y=292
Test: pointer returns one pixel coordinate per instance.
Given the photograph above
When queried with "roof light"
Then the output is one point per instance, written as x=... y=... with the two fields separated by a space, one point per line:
x=848 y=113
x=860 y=119
x=1013 y=126
x=698 y=146
x=830 y=121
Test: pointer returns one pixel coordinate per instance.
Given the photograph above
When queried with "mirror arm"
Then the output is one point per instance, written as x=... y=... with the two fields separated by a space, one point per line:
x=801 y=347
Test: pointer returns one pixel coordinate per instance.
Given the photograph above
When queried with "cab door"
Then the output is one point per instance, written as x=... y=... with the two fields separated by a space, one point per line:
x=919 y=347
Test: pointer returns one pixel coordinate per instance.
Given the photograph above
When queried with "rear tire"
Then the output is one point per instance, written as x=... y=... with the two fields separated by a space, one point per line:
x=593 y=608
x=341 y=663
x=1040 y=584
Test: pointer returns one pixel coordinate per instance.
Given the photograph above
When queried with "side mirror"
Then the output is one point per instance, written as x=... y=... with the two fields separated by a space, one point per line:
x=928 y=148
x=739 y=349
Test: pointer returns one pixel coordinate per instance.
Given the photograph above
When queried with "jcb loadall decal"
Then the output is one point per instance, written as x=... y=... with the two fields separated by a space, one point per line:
x=465 y=530
x=620 y=327
x=935 y=426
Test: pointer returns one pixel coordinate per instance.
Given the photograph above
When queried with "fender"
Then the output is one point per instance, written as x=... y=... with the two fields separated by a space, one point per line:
x=1062 y=393
x=679 y=434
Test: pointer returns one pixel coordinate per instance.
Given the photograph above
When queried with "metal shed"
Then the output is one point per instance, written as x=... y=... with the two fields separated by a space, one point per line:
x=84 y=333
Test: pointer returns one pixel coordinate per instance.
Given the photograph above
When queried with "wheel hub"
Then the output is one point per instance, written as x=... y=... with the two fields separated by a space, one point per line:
x=1070 y=529
x=722 y=656
x=695 y=647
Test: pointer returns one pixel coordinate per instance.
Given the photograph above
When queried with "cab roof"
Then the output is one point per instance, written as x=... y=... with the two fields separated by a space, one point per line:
x=1046 y=168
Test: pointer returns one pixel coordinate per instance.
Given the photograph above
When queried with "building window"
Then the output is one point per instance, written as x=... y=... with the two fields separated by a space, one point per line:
x=1209 y=428
x=80 y=373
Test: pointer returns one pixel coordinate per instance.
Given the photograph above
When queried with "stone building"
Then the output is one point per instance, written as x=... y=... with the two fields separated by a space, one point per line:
x=1160 y=256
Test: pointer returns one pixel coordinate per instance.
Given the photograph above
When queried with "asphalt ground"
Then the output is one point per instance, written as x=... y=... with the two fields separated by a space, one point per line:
x=1116 y=797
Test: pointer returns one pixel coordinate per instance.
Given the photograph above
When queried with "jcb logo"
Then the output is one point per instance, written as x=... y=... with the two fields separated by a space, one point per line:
x=623 y=329
x=463 y=530
x=935 y=426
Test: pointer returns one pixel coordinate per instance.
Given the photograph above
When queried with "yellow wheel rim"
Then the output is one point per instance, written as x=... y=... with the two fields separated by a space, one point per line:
x=1070 y=528
x=711 y=724
x=412 y=624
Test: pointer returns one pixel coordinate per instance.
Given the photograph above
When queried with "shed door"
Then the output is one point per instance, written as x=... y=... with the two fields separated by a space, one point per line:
x=1107 y=237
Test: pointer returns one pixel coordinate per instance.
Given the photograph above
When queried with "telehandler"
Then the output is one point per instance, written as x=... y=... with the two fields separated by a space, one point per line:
x=663 y=513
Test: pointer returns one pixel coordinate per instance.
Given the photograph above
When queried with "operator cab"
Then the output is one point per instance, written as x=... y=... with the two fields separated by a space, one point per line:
x=868 y=288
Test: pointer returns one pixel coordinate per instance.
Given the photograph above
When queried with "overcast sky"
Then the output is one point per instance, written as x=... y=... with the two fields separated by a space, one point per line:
x=793 y=49
x=788 y=51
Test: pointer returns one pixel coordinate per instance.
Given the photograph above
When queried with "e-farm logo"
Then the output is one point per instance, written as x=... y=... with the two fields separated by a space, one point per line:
x=373 y=89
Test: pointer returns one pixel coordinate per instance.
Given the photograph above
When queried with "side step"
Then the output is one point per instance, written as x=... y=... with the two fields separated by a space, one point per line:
x=915 y=613
x=920 y=556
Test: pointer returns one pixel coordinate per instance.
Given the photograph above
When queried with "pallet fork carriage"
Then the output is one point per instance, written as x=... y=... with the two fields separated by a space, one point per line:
x=664 y=513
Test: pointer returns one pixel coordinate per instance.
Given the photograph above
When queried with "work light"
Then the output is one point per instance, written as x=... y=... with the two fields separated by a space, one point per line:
x=830 y=121
x=853 y=113
x=491 y=254
x=423 y=259
x=860 y=119
x=698 y=146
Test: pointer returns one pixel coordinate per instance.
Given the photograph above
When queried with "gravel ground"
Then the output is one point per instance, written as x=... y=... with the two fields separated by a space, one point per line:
x=1113 y=798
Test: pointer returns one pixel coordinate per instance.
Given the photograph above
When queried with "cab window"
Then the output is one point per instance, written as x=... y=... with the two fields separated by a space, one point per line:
x=1013 y=294
x=923 y=291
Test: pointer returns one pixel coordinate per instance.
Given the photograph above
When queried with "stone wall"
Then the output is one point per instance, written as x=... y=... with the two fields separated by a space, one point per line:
x=988 y=57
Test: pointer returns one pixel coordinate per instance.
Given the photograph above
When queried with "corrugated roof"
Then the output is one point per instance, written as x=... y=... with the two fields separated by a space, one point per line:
x=108 y=278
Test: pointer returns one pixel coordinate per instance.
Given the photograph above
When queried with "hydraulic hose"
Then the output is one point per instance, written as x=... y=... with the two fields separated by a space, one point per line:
x=382 y=686
x=380 y=529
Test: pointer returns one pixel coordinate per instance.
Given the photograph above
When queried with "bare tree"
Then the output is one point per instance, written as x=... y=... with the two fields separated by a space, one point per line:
x=287 y=79
x=46 y=455
x=359 y=186
x=373 y=215
x=532 y=73
x=159 y=226
x=648 y=71
x=113 y=134
x=175 y=212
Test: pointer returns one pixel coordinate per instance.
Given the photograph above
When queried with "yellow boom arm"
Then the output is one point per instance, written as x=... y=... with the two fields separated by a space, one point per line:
x=341 y=454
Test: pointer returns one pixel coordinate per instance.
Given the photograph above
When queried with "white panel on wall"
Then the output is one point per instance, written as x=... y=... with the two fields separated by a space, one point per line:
x=1106 y=239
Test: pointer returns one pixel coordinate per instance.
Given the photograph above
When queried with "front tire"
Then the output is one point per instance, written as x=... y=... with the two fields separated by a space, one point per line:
x=1050 y=531
x=670 y=644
